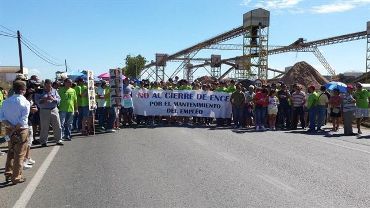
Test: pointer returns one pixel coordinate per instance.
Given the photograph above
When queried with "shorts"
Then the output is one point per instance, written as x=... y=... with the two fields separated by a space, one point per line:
x=335 y=113
x=84 y=111
x=362 y=113
x=272 y=111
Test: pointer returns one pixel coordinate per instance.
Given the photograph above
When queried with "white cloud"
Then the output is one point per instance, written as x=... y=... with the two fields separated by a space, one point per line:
x=272 y=4
x=278 y=4
x=246 y=2
x=339 y=6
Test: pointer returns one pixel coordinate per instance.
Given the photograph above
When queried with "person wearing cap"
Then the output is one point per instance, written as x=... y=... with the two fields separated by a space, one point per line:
x=362 y=105
x=47 y=101
x=312 y=101
x=349 y=109
x=19 y=77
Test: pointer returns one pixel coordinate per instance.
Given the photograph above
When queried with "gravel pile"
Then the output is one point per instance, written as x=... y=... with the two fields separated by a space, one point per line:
x=304 y=74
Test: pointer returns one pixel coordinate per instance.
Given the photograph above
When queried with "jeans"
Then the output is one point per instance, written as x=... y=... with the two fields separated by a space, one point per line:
x=284 y=116
x=298 y=111
x=66 y=119
x=75 y=122
x=111 y=117
x=321 y=111
x=260 y=115
x=101 y=114
x=312 y=113
x=238 y=115
x=83 y=112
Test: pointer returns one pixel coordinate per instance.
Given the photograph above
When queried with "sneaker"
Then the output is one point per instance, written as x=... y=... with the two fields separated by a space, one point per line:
x=60 y=142
x=44 y=145
x=263 y=128
x=26 y=166
x=2 y=153
x=30 y=161
x=257 y=128
x=36 y=142
x=110 y=130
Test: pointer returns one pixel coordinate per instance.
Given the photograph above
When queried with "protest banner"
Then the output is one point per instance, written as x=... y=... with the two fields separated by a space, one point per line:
x=116 y=85
x=91 y=90
x=187 y=103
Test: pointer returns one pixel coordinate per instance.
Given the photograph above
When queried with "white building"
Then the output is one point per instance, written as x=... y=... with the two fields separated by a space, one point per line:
x=8 y=73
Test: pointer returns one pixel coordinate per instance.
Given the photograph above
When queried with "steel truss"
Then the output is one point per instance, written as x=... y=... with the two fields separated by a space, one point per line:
x=368 y=54
x=187 y=55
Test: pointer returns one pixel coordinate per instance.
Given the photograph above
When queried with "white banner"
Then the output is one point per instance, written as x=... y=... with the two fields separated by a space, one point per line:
x=181 y=103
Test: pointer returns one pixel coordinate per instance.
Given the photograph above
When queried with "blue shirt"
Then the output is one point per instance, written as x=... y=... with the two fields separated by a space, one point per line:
x=48 y=105
x=15 y=110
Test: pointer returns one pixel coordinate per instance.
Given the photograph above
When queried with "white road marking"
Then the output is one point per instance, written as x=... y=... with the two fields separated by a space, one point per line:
x=31 y=187
x=277 y=183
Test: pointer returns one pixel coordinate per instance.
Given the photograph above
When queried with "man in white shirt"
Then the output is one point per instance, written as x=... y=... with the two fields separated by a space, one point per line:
x=14 y=114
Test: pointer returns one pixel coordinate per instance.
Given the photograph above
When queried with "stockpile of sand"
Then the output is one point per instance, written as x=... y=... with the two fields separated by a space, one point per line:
x=304 y=74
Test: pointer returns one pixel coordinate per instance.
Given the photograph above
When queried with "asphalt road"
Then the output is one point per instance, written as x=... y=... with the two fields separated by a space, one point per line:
x=186 y=167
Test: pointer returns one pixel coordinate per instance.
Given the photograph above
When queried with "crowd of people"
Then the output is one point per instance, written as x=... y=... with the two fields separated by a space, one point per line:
x=32 y=108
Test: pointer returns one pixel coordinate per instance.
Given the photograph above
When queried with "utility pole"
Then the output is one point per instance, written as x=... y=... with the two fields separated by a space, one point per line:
x=20 y=52
x=65 y=64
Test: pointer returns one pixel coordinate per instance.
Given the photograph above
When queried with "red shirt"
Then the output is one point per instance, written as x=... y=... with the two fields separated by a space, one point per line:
x=261 y=99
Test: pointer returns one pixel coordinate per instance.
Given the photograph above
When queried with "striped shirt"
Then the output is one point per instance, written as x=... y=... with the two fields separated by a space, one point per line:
x=347 y=103
x=298 y=99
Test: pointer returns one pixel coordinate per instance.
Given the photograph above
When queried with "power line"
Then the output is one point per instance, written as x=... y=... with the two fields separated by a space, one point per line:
x=42 y=54
x=2 y=31
x=39 y=55
x=8 y=29
x=38 y=49
x=12 y=36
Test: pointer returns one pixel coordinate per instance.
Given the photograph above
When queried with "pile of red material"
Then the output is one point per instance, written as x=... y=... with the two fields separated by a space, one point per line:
x=304 y=74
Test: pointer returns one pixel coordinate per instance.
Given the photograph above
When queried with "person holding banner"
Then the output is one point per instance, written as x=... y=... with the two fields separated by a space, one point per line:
x=238 y=104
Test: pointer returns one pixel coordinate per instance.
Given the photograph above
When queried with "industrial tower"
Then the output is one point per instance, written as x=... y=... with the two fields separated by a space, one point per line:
x=160 y=64
x=254 y=62
x=368 y=48
x=216 y=66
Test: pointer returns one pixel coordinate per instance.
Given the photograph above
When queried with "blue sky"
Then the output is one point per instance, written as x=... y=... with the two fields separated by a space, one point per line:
x=98 y=34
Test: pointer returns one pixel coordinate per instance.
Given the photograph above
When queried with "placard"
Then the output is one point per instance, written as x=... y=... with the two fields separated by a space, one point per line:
x=116 y=86
x=91 y=90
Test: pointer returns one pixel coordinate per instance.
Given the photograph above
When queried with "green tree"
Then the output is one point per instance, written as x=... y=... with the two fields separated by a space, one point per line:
x=134 y=65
